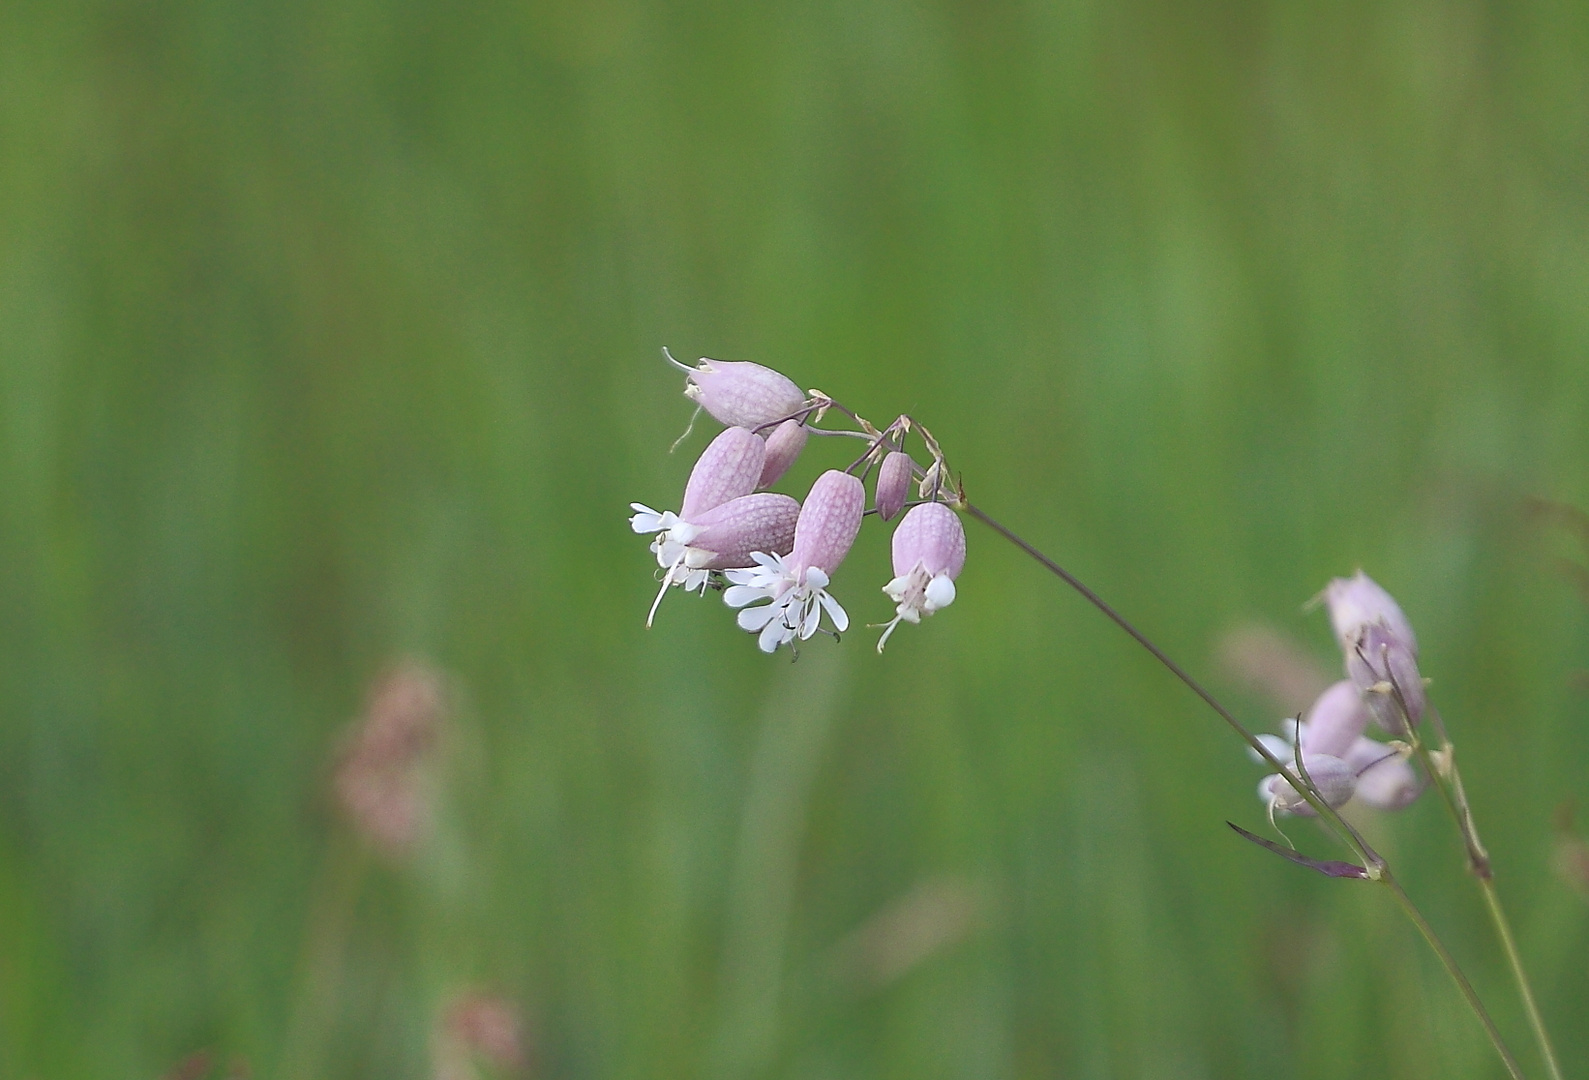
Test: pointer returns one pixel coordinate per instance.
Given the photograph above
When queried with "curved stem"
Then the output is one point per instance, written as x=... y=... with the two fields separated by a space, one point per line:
x=1456 y=804
x=1503 y=930
x=1344 y=829
x=1376 y=863
x=1450 y=964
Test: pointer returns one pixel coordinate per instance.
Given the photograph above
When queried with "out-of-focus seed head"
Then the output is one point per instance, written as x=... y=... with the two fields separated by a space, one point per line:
x=739 y=393
x=1358 y=602
x=482 y=1027
x=381 y=780
x=729 y=534
x=1335 y=720
x=930 y=536
x=893 y=484
x=728 y=468
x=783 y=446
x=1386 y=670
x=828 y=522
x=1333 y=778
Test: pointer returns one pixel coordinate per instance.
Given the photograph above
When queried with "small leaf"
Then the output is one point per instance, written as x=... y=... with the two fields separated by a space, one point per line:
x=1327 y=867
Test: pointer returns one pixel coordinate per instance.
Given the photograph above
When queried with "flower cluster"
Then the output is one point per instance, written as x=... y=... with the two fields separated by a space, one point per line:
x=1382 y=684
x=773 y=557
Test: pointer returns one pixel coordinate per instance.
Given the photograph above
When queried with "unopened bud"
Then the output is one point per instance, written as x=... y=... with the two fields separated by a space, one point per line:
x=740 y=394
x=893 y=484
x=783 y=446
x=1333 y=779
x=1335 y=720
x=829 y=521
x=1358 y=602
x=727 y=535
x=728 y=468
x=1385 y=669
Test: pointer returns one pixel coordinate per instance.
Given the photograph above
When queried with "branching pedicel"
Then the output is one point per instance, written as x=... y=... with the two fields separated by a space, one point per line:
x=774 y=560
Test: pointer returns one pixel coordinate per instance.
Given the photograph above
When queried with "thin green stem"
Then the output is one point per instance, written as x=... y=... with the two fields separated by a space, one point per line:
x=1478 y=858
x=1344 y=830
x=1503 y=929
x=1376 y=863
x=1456 y=803
x=1452 y=969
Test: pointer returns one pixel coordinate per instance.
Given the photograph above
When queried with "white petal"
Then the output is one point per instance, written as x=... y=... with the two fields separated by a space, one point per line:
x=841 y=618
x=773 y=635
x=940 y=592
x=740 y=595
x=810 y=620
x=754 y=618
x=669 y=553
x=645 y=519
x=816 y=578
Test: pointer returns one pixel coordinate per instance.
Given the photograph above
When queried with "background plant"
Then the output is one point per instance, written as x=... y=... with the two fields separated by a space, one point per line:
x=330 y=337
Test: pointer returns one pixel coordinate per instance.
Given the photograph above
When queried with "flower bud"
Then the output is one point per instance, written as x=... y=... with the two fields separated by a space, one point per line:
x=828 y=522
x=893 y=483
x=1335 y=721
x=727 y=535
x=1333 y=778
x=740 y=394
x=1358 y=602
x=728 y=468
x=783 y=446
x=1385 y=669
x=1385 y=779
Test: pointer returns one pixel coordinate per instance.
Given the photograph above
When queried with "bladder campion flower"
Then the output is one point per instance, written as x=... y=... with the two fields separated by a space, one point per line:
x=739 y=393
x=720 y=522
x=1359 y=602
x=1386 y=670
x=1332 y=733
x=929 y=549
x=796 y=586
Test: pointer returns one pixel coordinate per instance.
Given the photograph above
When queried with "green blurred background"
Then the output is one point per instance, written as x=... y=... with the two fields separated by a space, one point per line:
x=329 y=335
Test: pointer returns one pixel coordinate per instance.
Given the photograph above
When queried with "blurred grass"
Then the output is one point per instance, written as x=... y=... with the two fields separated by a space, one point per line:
x=330 y=334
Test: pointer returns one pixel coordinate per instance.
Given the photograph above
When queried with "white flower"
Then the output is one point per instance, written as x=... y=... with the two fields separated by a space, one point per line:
x=719 y=538
x=929 y=550
x=796 y=598
x=1379 y=772
x=916 y=594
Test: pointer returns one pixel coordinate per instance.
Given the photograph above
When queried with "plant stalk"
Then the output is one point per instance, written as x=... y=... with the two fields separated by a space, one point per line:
x=1450 y=964
x=1503 y=930
x=1378 y=867
x=1456 y=803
